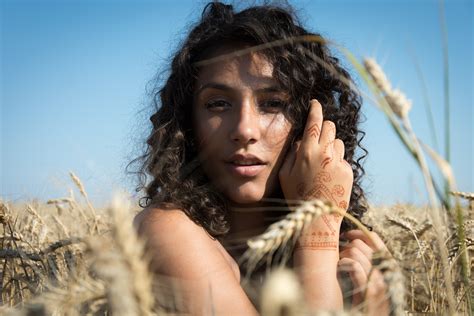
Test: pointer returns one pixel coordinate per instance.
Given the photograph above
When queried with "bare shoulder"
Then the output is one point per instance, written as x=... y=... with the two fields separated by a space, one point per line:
x=161 y=219
x=179 y=246
x=185 y=252
x=159 y=225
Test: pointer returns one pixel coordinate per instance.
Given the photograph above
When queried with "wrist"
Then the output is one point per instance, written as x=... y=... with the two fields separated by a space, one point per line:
x=321 y=234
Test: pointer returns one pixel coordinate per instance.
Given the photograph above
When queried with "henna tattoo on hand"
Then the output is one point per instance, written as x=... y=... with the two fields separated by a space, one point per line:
x=317 y=240
x=343 y=204
x=321 y=177
x=324 y=245
x=338 y=190
x=314 y=131
x=320 y=190
x=328 y=146
x=329 y=224
x=332 y=130
x=327 y=160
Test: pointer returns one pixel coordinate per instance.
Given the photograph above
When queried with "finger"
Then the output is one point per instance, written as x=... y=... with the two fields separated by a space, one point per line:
x=328 y=134
x=357 y=276
x=361 y=246
x=338 y=150
x=374 y=241
x=357 y=255
x=376 y=295
x=313 y=125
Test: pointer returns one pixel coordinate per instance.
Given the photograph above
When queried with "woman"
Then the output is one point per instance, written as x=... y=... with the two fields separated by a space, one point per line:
x=251 y=116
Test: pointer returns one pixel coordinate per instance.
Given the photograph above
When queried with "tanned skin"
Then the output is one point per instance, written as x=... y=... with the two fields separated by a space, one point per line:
x=316 y=169
x=184 y=252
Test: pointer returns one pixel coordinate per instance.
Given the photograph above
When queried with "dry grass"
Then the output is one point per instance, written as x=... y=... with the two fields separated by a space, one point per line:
x=57 y=258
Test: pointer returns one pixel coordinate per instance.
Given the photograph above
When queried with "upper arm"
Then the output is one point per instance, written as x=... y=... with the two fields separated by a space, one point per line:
x=183 y=250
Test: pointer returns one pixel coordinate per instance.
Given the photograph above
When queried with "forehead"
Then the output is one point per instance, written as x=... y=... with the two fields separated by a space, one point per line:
x=250 y=69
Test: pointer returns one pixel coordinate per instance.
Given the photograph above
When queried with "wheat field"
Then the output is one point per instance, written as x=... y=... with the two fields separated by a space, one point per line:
x=65 y=257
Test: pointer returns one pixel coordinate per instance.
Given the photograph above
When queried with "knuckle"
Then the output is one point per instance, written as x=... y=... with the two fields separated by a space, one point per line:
x=344 y=254
x=354 y=252
x=358 y=243
x=306 y=156
x=355 y=265
x=325 y=155
x=315 y=116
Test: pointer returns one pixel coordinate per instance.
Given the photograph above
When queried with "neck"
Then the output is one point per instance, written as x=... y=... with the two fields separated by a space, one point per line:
x=247 y=221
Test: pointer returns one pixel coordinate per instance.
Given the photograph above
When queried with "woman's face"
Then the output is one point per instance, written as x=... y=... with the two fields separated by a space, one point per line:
x=240 y=126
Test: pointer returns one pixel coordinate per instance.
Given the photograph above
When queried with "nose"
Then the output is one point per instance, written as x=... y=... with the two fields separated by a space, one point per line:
x=246 y=127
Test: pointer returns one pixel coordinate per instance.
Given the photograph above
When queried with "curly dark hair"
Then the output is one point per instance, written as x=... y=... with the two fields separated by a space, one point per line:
x=304 y=68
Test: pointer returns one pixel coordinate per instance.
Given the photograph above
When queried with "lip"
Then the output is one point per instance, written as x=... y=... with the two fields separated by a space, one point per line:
x=245 y=170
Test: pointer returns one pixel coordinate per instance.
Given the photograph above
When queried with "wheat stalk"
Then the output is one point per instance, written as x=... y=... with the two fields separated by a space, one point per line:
x=290 y=228
x=70 y=298
x=279 y=234
x=123 y=268
x=412 y=143
x=61 y=225
x=396 y=99
x=464 y=195
x=73 y=204
x=132 y=250
x=79 y=184
x=409 y=223
x=393 y=277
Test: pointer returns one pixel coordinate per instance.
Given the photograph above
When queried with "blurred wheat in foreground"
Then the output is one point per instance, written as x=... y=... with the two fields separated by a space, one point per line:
x=67 y=258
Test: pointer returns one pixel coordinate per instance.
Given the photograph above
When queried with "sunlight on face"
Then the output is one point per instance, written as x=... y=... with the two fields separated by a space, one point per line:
x=240 y=126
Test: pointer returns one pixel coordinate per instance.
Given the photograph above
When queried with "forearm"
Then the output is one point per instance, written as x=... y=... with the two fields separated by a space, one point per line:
x=315 y=260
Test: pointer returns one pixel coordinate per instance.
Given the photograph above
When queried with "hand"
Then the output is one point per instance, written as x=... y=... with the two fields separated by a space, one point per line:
x=356 y=261
x=316 y=169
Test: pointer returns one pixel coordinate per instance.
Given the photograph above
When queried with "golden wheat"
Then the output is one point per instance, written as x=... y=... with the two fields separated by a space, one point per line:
x=79 y=270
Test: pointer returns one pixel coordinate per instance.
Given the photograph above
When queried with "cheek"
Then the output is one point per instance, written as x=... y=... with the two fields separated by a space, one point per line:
x=277 y=130
x=207 y=132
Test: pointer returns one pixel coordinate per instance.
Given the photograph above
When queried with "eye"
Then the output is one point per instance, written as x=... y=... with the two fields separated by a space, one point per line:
x=217 y=105
x=273 y=106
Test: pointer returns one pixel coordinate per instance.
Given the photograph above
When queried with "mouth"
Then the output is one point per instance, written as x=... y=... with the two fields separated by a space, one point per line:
x=245 y=165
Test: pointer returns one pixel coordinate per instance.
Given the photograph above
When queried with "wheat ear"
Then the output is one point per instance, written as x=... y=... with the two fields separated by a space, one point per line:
x=282 y=295
x=396 y=99
x=81 y=188
x=279 y=234
x=129 y=287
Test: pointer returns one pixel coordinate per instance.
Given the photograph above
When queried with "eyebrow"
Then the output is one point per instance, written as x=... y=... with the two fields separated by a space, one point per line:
x=224 y=87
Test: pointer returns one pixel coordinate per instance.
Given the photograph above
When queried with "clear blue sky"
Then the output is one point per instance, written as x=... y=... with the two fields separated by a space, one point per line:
x=73 y=78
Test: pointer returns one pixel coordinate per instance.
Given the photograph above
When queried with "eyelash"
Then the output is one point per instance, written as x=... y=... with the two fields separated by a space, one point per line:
x=213 y=104
x=272 y=106
x=276 y=105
